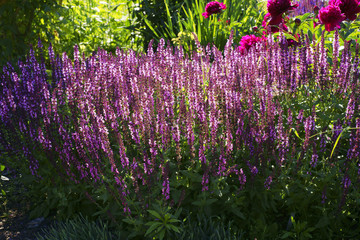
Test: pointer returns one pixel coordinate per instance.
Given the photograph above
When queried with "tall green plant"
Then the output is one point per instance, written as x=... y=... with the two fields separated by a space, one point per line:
x=153 y=19
x=239 y=16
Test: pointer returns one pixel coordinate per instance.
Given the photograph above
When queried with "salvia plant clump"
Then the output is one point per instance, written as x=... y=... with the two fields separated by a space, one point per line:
x=143 y=125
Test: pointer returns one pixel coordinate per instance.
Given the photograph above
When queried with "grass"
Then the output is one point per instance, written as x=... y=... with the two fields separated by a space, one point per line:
x=79 y=228
x=193 y=228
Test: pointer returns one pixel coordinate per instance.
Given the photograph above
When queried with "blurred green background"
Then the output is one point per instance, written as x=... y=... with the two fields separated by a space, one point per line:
x=116 y=23
x=63 y=23
x=87 y=23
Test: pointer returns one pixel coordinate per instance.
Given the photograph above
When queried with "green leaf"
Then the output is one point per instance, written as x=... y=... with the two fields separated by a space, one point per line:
x=162 y=234
x=129 y=221
x=238 y=213
x=176 y=229
x=148 y=23
x=304 y=16
x=204 y=202
x=155 y=214
x=355 y=35
x=169 y=25
x=296 y=133
x=324 y=221
x=286 y=235
x=293 y=221
x=174 y=220
x=336 y=143
x=310 y=229
x=153 y=226
x=2 y=168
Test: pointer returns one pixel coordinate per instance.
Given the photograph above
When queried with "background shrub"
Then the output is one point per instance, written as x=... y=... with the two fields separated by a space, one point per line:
x=90 y=24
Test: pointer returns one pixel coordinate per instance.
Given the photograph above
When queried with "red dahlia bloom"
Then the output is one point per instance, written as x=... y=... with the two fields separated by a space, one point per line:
x=275 y=24
x=349 y=7
x=278 y=7
x=269 y=20
x=331 y=17
x=214 y=7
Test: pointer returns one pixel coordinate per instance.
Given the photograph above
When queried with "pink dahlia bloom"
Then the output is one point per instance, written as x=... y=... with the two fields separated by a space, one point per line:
x=278 y=7
x=331 y=17
x=248 y=41
x=349 y=7
x=214 y=7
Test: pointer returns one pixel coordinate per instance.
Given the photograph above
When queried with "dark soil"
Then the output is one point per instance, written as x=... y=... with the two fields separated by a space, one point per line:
x=15 y=223
x=17 y=226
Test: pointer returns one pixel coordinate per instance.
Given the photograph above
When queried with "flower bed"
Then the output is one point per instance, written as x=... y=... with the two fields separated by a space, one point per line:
x=266 y=136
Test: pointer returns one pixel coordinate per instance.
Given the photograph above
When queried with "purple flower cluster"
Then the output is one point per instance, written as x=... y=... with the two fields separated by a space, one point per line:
x=130 y=117
x=306 y=6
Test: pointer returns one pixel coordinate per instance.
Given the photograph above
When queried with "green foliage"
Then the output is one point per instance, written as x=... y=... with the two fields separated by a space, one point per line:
x=80 y=228
x=54 y=197
x=310 y=27
x=149 y=18
x=163 y=223
x=88 y=23
x=177 y=22
x=22 y=23
x=61 y=200
x=330 y=108
x=11 y=187
x=3 y=200
x=92 y=24
x=300 y=230
x=208 y=228
x=239 y=16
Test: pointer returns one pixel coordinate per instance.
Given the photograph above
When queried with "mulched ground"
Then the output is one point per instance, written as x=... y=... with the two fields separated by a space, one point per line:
x=15 y=223
x=17 y=226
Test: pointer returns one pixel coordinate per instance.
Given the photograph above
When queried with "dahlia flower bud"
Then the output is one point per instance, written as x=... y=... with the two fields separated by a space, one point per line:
x=331 y=17
x=316 y=9
x=214 y=7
